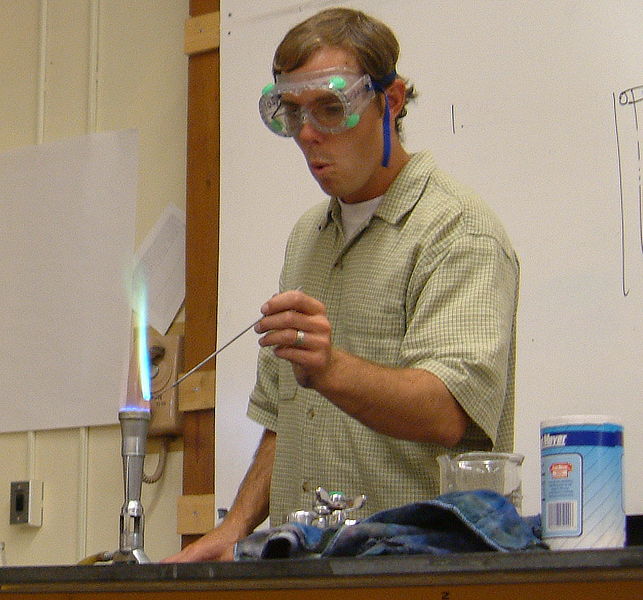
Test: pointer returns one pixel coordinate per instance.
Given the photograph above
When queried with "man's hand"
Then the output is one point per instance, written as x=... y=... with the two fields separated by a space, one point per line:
x=297 y=327
x=214 y=545
x=249 y=509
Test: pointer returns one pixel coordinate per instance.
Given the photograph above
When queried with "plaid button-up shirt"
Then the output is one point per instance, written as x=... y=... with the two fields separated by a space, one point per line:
x=430 y=281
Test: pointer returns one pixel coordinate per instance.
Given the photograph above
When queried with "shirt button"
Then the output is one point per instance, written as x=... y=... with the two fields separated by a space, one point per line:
x=310 y=413
x=305 y=486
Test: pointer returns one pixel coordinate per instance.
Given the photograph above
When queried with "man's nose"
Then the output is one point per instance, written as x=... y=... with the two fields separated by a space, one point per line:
x=307 y=131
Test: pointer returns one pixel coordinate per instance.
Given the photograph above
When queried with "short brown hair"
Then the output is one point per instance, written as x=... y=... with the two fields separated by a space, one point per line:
x=373 y=44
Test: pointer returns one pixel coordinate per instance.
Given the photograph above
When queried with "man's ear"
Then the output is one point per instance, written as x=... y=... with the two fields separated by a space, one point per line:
x=396 y=93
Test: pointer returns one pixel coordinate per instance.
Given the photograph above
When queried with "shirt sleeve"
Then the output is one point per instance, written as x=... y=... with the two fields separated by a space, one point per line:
x=263 y=404
x=462 y=325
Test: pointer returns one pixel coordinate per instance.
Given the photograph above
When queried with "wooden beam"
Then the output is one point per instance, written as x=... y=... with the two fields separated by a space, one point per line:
x=201 y=33
x=195 y=514
x=202 y=253
x=197 y=391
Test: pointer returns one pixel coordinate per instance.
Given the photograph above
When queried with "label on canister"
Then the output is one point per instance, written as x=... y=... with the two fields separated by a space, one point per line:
x=582 y=482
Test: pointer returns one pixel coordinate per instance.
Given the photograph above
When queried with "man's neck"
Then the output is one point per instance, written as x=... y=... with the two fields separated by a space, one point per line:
x=385 y=177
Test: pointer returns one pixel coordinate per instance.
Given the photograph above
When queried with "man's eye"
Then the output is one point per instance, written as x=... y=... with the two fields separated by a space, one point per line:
x=329 y=110
x=289 y=113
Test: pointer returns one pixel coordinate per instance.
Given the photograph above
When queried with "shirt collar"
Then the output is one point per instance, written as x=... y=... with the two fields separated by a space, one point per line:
x=401 y=196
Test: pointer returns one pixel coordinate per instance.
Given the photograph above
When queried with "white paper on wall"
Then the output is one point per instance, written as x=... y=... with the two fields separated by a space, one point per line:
x=161 y=262
x=67 y=224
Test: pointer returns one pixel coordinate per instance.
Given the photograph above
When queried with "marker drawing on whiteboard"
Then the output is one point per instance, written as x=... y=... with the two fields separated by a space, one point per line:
x=630 y=172
x=631 y=96
x=454 y=124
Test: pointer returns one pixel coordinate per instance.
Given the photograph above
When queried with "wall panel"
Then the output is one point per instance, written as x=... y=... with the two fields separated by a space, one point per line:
x=68 y=68
x=68 y=63
x=150 y=94
x=19 y=26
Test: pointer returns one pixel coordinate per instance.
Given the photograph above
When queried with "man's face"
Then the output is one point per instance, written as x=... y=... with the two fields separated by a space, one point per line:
x=345 y=164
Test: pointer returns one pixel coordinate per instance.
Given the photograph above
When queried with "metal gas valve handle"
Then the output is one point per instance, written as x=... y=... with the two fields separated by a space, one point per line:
x=330 y=510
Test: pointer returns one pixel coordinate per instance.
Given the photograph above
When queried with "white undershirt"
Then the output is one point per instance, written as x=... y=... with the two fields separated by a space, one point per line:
x=355 y=214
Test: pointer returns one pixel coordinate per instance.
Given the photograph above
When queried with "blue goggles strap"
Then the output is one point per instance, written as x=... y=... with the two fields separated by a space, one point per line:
x=380 y=85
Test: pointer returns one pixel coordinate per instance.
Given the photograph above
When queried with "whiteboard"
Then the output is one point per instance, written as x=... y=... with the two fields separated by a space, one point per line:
x=522 y=101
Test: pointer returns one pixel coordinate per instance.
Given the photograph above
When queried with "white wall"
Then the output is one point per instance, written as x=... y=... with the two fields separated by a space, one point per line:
x=517 y=100
x=68 y=68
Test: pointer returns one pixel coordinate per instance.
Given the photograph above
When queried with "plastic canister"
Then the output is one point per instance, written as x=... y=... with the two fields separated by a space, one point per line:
x=582 y=482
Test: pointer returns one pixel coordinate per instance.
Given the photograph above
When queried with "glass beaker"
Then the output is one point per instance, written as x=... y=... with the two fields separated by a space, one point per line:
x=496 y=471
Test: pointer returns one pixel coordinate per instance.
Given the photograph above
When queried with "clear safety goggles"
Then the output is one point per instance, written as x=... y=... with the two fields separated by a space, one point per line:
x=340 y=99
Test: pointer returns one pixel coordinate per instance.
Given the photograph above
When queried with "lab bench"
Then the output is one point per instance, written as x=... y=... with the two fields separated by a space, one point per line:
x=574 y=575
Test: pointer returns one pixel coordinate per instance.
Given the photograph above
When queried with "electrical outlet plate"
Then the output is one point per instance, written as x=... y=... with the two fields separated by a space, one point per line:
x=26 y=503
x=166 y=419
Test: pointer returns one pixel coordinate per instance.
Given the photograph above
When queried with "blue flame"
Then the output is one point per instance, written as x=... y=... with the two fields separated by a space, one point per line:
x=144 y=363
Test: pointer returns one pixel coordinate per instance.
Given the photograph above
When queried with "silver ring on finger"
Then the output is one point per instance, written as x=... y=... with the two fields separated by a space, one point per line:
x=299 y=340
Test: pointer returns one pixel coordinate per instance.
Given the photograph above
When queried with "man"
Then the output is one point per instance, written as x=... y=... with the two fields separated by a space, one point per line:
x=393 y=336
